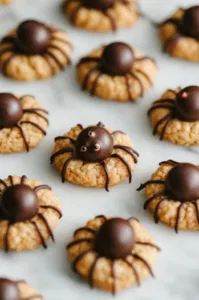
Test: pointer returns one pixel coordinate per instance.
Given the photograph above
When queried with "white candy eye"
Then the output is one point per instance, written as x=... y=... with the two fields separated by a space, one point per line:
x=91 y=133
x=83 y=149
x=96 y=147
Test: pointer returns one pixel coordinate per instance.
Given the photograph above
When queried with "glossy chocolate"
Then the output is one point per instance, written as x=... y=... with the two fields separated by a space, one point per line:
x=94 y=144
x=115 y=238
x=182 y=182
x=33 y=37
x=9 y=290
x=19 y=203
x=190 y=22
x=10 y=110
x=187 y=104
x=98 y=4
x=117 y=59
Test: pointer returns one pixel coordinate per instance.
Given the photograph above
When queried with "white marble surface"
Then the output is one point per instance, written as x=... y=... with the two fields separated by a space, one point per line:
x=177 y=272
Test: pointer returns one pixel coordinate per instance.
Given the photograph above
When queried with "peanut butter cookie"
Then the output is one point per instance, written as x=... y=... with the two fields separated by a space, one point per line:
x=101 y=15
x=116 y=72
x=94 y=156
x=113 y=254
x=29 y=212
x=180 y=34
x=34 y=51
x=23 y=123
x=172 y=194
x=175 y=116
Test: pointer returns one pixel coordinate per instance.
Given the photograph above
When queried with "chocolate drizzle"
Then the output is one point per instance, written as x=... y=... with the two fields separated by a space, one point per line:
x=115 y=239
x=94 y=145
x=19 y=203
x=37 y=40
x=117 y=59
x=184 y=107
x=187 y=26
x=181 y=185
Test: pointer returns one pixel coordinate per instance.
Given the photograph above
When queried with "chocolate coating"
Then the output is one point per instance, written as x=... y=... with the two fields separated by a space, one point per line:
x=8 y=290
x=98 y=4
x=115 y=238
x=187 y=104
x=117 y=59
x=182 y=182
x=10 y=110
x=19 y=203
x=190 y=21
x=33 y=37
x=94 y=144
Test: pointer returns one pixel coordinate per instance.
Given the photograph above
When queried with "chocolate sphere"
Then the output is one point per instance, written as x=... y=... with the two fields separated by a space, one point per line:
x=182 y=182
x=115 y=238
x=187 y=104
x=190 y=21
x=19 y=203
x=117 y=59
x=33 y=37
x=8 y=290
x=99 y=4
x=10 y=110
x=94 y=144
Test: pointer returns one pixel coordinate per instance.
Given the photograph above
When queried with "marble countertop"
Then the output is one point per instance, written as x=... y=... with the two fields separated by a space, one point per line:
x=177 y=271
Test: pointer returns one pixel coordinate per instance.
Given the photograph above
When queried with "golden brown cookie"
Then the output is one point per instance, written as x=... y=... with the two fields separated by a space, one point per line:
x=17 y=290
x=23 y=123
x=29 y=213
x=175 y=116
x=6 y=1
x=34 y=51
x=94 y=156
x=101 y=15
x=180 y=34
x=116 y=72
x=172 y=194
x=113 y=254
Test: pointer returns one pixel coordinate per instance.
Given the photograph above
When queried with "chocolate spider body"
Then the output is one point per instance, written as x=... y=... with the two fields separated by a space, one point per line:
x=117 y=59
x=94 y=145
x=188 y=26
x=184 y=107
x=101 y=5
x=11 y=113
x=114 y=240
x=33 y=38
x=19 y=203
x=9 y=290
x=181 y=184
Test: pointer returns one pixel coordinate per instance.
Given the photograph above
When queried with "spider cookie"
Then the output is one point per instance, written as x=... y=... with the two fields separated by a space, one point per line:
x=34 y=51
x=172 y=194
x=101 y=15
x=116 y=72
x=180 y=34
x=175 y=116
x=17 y=290
x=23 y=123
x=29 y=212
x=113 y=254
x=94 y=156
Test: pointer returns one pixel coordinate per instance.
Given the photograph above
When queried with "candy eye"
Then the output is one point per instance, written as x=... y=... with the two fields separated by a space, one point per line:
x=91 y=133
x=83 y=149
x=96 y=147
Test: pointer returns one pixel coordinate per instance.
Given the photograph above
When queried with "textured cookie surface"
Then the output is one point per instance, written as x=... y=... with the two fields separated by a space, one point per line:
x=19 y=236
x=24 y=67
x=112 y=275
x=176 y=131
x=118 y=88
x=93 y=174
x=11 y=139
x=176 y=44
x=121 y=15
